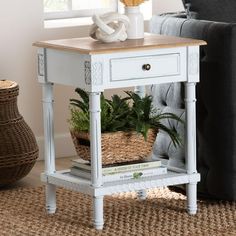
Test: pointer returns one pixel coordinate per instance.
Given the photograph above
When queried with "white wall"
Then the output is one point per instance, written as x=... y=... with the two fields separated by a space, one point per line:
x=21 y=24
x=163 y=6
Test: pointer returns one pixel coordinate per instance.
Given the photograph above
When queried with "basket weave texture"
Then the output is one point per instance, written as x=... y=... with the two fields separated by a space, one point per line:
x=18 y=147
x=116 y=147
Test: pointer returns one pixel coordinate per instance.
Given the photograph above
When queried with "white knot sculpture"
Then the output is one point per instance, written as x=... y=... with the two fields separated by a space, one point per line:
x=109 y=27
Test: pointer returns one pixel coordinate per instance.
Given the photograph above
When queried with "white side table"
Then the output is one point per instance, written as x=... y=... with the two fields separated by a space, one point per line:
x=94 y=67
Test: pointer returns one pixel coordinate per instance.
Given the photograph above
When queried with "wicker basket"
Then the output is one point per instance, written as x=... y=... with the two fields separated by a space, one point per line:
x=18 y=147
x=117 y=147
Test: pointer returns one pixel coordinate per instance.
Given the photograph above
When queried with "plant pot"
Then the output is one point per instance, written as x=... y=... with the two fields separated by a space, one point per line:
x=116 y=147
x=18 y=147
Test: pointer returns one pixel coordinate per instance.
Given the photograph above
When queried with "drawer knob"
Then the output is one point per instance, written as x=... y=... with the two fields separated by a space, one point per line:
x=146 y=67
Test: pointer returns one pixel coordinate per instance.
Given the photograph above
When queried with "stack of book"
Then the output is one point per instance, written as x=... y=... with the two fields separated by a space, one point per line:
x=121 y=171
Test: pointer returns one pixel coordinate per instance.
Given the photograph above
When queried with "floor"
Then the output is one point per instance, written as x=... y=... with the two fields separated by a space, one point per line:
x=33 y=178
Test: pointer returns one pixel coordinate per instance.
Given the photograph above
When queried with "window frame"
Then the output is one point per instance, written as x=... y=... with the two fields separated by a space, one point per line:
x=70 y=13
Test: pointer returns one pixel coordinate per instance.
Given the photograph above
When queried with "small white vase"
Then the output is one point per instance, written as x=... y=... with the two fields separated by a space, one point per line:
x=136 y=26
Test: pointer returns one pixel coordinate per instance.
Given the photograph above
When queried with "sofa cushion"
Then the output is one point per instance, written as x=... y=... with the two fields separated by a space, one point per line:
x=168 y=98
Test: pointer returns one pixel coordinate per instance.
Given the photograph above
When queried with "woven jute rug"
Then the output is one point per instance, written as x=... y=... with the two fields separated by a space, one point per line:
x=162 y=213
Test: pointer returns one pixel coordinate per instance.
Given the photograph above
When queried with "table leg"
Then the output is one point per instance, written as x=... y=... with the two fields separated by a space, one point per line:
x=141 y=91
x=142 y=194
x=98 y=212
x=50 y=198
x=190 y=145
x=49 y=148
x=191 y=190
x=96 y=156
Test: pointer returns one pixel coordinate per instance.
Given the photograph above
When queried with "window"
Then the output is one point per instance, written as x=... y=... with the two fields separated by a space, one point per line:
x=145 y=8
x=62 y=9
x=69 y=13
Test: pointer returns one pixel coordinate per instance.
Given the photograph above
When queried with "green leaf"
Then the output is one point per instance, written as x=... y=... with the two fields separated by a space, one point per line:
x=79 y=120
x=84 y=95
x=79 y=104
x=123 y=114
x=172 y=133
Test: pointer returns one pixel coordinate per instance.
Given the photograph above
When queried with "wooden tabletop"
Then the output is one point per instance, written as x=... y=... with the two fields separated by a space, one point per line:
x=91 y=46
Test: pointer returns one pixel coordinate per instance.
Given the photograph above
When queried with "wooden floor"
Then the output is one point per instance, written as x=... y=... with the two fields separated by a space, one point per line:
x=33 y=178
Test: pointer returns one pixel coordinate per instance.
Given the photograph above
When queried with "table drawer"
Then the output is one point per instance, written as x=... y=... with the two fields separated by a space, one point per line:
x=145 y=67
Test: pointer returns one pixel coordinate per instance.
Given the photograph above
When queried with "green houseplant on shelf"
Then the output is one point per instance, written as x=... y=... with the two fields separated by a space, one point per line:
x=129 y=127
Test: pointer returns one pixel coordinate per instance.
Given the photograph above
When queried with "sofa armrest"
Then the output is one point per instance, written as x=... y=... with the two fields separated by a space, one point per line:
x=216 y=100
x=215 y=10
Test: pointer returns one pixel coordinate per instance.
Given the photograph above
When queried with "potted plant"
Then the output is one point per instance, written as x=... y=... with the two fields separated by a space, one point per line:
x=129 y=127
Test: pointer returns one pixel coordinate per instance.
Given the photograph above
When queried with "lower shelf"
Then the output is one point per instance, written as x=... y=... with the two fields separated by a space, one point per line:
x=65 y=179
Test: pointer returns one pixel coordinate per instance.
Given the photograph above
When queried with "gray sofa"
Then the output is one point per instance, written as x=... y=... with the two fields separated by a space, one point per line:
x=216 y=98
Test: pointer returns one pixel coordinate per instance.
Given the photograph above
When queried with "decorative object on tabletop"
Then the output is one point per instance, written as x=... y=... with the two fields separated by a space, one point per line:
x=128 y=131
x=109 y=27
x=18 y=147
x=136 y=26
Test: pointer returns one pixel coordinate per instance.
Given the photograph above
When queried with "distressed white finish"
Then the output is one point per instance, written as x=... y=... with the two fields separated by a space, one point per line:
x=96 y=156
x=95 y=73
x=66 y=67
x=87 y=72
x=141 y=91
x=48 y=127
x=65 y=179
x=191 y=190
x=96 y=69
x=51 y=206
x=193 y=64
x=166 y=66
x=190 y=131
x=142 y=194
x=190 y=145
x=49 y=148
x=161 y=65
x=98 y=212
x=95 y=139
x=70 y=68
x=42 y=65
